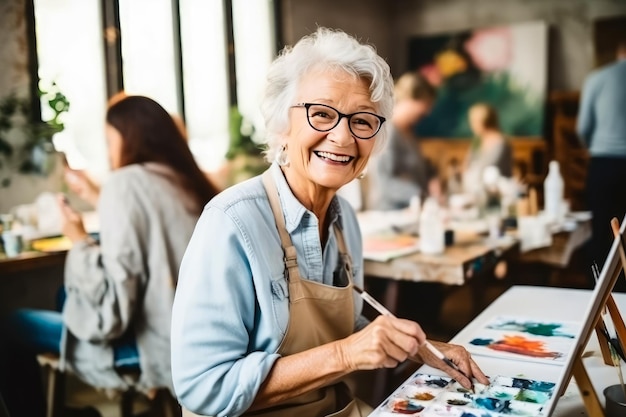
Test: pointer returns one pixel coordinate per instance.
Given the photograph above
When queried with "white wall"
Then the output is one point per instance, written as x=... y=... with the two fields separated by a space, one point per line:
x=390 y=24
x=368 y=20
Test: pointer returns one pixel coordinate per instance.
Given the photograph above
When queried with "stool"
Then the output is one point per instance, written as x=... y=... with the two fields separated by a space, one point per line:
x=162 y=404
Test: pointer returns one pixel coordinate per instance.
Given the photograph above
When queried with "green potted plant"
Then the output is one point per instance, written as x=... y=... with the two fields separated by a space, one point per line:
x=26 y=146
x=244 y=155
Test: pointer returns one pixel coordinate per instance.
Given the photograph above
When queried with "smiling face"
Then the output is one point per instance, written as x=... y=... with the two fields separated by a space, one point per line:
x=325 y=161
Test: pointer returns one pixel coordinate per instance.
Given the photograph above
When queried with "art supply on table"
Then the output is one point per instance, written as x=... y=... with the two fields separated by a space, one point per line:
x=433 y=395
x=431 y=228
x=612 y=344
x=383 y=310
x=553 y=188
x=615 y=401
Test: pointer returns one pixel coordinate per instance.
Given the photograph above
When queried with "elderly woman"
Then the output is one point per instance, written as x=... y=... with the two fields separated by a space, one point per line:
x=265 y=320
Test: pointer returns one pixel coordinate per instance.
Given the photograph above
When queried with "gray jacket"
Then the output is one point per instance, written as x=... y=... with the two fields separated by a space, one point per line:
x=128 y=280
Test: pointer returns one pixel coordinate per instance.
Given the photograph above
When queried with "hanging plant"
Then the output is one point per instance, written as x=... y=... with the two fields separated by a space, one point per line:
x=26 y=146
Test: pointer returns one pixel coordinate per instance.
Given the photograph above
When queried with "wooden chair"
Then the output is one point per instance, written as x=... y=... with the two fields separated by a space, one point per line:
x=162 y=404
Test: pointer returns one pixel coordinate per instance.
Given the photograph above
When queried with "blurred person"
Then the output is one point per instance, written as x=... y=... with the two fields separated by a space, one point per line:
x=81 y=183
x=601 y=126
x=489 y=147
x=272 y=325
x=119 y=291
x=401 y=172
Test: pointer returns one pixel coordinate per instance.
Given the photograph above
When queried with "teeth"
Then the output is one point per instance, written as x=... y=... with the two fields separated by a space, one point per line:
x=333 y=157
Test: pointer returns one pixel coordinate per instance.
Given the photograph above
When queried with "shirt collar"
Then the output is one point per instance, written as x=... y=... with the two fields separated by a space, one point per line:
x=292 y=209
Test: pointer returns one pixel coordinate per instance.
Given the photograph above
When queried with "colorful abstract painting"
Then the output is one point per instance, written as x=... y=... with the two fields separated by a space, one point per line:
x=523 y=338
x=435 y=396
x=504 y=66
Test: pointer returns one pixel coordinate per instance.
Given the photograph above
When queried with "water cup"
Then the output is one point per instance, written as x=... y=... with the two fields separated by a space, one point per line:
x=12 y=243
x=615 y=401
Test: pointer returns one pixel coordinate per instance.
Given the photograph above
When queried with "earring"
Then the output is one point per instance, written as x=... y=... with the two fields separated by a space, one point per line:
x=362 y=174
x=282 y=158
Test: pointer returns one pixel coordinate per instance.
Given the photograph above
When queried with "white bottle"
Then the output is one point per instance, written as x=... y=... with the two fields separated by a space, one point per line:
x=553 y=192
x=431 y=228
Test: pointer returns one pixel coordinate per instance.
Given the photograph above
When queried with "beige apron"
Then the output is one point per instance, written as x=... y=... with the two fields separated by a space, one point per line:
x=318 y=314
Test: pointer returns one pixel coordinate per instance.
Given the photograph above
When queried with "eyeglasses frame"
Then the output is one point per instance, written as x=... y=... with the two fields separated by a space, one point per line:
x=341 y=116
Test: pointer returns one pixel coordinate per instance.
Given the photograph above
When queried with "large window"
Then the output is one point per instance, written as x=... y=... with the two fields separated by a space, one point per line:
x=174 y=51
x=70 y=54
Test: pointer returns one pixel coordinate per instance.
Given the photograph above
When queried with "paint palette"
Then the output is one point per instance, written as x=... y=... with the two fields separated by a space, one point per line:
x=425 y=395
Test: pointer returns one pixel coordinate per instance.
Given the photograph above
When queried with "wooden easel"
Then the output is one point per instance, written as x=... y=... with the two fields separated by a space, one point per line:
x=589 y=396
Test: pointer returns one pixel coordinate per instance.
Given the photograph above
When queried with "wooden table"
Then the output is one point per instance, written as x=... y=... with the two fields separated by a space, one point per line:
x=30 y=280
x=564 y=244
x=469 y=259
x=29 y=261
x=558 y=264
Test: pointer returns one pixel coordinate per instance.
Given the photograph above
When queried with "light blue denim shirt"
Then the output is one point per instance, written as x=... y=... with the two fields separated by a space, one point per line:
x=602 y=115
x=231 y=307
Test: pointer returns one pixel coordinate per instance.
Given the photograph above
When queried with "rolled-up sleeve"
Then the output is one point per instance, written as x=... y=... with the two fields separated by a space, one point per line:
x=214 y=314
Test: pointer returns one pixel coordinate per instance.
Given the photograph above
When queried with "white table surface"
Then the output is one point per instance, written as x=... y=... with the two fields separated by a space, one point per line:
x=552 y=304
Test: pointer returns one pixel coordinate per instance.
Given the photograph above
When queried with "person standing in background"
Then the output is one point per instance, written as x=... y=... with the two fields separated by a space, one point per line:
x=601 y=126
x=402 y=172
x=489 y=147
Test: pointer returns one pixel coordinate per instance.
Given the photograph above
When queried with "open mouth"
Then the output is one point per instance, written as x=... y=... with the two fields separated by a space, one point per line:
x=331 y=157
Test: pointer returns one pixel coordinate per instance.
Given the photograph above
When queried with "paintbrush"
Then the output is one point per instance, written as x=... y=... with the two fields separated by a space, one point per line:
x=439 y=354
x=613 y=342
x=615 y=353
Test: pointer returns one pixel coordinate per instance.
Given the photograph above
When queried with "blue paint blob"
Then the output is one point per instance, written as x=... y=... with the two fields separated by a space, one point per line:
x=491 y=404
x=437 y=382
x=533 y=385
x=481 y=342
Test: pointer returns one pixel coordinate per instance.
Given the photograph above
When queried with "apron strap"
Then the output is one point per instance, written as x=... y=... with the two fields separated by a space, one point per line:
x=343 y=252
x=290 y=259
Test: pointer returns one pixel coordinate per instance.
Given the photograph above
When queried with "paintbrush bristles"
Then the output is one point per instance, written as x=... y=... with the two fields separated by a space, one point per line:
x=618 y=365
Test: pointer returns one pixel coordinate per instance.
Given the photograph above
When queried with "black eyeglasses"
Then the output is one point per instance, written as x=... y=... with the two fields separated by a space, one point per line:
x=363 y=124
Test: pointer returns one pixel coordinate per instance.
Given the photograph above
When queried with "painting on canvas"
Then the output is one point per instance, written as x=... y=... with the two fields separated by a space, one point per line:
x=524 y=338
x=505 y=66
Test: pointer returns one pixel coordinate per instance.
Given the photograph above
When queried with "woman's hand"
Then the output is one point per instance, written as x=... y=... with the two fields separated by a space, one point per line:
x=80 y=183
x=384 y=343
x=461 y=358
x=72 y=226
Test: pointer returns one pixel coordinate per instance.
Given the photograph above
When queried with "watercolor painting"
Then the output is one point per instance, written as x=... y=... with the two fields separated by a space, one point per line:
x=434 y=396
x=504 y=66
x=523 y=338
x=387 y=245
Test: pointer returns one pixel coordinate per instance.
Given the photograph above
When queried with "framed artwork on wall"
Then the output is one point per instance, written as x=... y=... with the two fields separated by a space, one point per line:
x=505 y=66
